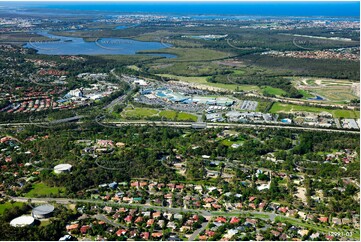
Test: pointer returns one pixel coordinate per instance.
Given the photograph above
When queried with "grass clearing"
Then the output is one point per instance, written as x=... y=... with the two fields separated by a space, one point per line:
x=139 y=113
x=227 y=142
x=168 y=114
x=43 y=190
x=346 y=113
x=239 y=72
x=45 y=223
x=22 y=37
x=274 y=91
x=289 y=108
x=203 y=81
x=144 y=113
x=306 y=94
x=186 y=117
x=8 y=205
x=311 y=82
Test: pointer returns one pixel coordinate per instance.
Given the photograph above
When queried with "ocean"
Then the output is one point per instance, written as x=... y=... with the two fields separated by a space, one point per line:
x=306 y=9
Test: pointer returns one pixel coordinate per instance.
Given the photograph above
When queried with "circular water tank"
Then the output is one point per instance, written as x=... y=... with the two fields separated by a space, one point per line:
x=22 y=221
x=42 y=211
x=62 y=168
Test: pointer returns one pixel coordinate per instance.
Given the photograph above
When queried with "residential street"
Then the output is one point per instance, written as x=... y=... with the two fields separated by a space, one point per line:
x=198 y=231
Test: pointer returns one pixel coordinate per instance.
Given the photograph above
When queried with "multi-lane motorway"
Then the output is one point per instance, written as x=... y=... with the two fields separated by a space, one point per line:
x=186 y=125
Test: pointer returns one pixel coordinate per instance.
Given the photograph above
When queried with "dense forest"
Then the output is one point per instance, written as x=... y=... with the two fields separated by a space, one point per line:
x=338 y=69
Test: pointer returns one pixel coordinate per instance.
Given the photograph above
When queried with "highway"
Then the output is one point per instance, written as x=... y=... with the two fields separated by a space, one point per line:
x=190 y=124
x=227 y=126
x=121 y=98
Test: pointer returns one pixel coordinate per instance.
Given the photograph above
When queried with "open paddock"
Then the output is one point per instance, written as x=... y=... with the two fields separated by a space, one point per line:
x=292 y=108
x=148 y=113
x=202 y=81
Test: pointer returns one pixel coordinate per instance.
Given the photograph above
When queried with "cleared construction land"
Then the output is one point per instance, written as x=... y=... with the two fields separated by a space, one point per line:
x=332 y=90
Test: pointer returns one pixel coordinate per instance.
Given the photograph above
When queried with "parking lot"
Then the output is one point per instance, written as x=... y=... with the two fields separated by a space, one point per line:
x=248 y=105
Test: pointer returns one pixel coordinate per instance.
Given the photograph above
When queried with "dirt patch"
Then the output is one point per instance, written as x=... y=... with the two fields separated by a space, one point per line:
x=161 y=66
x=355 y=89
x=301 y=194
x=231 y=63
x=318 y=82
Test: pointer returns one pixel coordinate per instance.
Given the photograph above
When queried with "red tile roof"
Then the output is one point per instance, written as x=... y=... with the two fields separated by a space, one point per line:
x=150 y=222
x=221 y=220
x=145 y=235
x=210 y=233
x=84 y=229
x=121 y=232
x=157 y=235
x=252 y=205
x=234 y=220
x=203 y=237
x=72 y=226
x=323 y=219
x=128 y=219
x=138 y=220
x=283 y=209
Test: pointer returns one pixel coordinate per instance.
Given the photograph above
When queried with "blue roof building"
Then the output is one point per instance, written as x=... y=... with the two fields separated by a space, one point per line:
x=113 y=185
